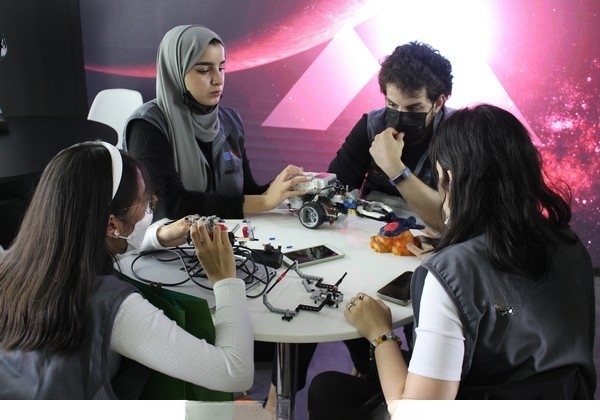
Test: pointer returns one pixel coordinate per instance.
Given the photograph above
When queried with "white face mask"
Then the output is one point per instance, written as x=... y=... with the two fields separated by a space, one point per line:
x=136 y=238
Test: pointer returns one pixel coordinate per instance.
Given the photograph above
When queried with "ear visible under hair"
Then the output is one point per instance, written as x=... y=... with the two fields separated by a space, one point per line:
x=112 y=229
x=439 y=102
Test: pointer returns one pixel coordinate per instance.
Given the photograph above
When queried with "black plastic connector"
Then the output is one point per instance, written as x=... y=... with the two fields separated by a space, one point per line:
x=269 y=256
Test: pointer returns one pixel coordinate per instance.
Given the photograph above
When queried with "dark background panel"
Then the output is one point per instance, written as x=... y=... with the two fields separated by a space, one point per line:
x=42 y=73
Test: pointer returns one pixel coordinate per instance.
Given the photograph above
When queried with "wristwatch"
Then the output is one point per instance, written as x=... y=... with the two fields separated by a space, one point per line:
x=399 y=178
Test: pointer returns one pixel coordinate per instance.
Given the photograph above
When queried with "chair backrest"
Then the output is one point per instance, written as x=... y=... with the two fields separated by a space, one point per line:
x=113 y=107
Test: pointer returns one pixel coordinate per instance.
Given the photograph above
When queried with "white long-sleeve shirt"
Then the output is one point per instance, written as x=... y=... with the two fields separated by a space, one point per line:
x=143 y=333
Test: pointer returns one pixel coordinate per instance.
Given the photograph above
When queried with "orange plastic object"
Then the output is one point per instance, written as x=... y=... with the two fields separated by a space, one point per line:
x=394 y=244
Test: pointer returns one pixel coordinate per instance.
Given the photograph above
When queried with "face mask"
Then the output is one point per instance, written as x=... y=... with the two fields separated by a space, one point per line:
x=136 y=238
x=412 y=124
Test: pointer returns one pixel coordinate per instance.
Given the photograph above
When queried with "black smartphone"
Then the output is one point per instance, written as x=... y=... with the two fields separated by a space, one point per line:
x=398 y=290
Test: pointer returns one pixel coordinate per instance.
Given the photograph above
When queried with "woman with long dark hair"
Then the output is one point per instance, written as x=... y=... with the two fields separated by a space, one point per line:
x=504 y=307
x=71 y=330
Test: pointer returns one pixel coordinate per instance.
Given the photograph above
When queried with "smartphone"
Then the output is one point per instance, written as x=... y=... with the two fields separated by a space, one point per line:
x=398 y=290
x=312 y=255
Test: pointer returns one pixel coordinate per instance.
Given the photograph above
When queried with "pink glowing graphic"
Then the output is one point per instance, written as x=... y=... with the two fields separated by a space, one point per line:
x=305 y=25
x=302 y=73
x=333 y=78
x=571 y=148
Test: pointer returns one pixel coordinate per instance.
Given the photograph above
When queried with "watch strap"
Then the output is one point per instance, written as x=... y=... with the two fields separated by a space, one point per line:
x=401 y=177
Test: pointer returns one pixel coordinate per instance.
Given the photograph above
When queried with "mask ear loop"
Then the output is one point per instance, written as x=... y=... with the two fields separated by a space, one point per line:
x=117 y=165
x=445 y=216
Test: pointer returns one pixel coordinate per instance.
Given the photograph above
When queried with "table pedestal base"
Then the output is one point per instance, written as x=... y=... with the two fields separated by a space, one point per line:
x=287 y=365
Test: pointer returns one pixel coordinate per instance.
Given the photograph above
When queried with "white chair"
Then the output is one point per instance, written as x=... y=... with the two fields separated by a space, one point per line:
x=113 y=107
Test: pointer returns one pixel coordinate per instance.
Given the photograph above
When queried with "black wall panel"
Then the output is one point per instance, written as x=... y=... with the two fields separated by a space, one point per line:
x=42 y=73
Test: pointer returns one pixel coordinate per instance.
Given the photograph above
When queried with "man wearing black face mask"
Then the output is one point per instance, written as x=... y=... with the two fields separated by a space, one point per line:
x=386 y=153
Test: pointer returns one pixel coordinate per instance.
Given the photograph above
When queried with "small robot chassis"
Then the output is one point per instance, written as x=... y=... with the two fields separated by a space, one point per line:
x=328 y=200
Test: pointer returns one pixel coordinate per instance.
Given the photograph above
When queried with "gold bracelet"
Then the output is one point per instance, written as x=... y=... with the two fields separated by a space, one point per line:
x=380 y=339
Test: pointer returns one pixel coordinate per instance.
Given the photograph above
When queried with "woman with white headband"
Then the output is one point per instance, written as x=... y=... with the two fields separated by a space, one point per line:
x=135 y=236
x=70 y=329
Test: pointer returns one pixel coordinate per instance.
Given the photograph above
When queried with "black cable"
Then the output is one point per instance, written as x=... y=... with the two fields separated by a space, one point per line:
x=252 y=252
x=154 y=283
x=281 y=276
x=247 y=266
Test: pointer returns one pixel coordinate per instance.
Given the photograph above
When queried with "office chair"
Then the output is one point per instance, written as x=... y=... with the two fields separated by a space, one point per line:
x=113 y=107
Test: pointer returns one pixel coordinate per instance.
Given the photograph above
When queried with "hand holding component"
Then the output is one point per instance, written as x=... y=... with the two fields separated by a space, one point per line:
x=428 y=241
x=281 y=187
x=174 y=234
x=214 y=252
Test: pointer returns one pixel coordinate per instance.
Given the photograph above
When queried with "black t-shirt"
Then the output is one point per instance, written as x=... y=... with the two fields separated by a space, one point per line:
x=151 y=146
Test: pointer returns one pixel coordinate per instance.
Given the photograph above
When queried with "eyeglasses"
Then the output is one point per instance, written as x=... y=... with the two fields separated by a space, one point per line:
x=150 y=205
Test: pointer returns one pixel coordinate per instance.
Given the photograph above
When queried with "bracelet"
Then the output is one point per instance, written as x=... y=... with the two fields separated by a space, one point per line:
x=380 y=339
x=399 y=178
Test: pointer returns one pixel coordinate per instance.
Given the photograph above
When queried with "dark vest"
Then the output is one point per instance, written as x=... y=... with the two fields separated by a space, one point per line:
x=227 y=148
x=523 y=339
x=83 y=374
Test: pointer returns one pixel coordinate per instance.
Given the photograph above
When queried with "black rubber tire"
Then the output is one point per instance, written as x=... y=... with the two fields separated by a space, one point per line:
x=311 y=215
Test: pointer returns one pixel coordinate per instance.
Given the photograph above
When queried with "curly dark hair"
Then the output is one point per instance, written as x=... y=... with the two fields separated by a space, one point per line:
x=414 y=66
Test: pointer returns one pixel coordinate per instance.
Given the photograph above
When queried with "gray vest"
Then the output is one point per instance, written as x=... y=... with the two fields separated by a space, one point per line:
x=523 y=339
x=227 y=147
x=83 y=374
